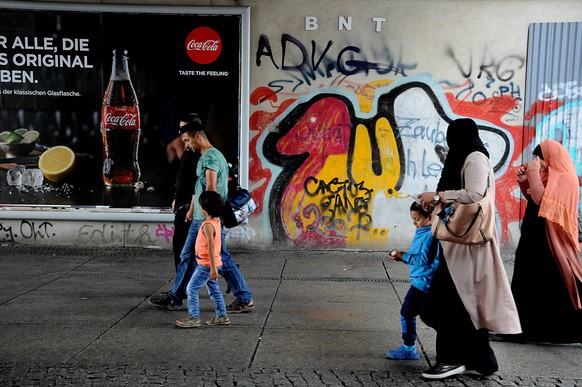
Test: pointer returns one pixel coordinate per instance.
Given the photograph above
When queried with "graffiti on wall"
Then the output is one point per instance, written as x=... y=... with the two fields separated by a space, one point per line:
x=99 y=234
x=26 y=230
x=562 y=123
x=34 y=231
x=324 y=61
x=339 y=166
x=335 y=164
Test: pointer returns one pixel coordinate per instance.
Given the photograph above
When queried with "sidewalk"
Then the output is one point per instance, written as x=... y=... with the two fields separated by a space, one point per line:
x=322 y=318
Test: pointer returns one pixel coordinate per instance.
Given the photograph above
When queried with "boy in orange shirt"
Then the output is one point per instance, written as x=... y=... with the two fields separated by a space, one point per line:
x=208 y=259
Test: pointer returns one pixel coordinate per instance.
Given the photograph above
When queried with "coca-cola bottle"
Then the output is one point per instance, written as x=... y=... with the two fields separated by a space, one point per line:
x=120 y=126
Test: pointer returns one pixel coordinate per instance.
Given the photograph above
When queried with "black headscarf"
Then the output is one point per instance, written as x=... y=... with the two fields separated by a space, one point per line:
x=538 y=152
x=462 y=139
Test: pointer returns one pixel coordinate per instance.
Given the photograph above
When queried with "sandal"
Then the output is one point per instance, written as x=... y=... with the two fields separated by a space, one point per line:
x=218 y=321
x=188 y=322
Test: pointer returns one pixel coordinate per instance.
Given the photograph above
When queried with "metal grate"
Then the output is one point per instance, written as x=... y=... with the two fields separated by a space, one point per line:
x=553 y=92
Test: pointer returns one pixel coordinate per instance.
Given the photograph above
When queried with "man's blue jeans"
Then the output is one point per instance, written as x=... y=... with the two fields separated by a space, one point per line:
x=229 y=269
x=200 y=278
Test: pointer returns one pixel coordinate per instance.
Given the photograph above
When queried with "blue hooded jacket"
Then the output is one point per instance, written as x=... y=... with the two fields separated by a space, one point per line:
x=422 y=267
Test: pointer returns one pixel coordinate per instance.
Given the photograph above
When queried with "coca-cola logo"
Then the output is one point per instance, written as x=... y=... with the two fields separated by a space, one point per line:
x=203 y=45
x=128 y=120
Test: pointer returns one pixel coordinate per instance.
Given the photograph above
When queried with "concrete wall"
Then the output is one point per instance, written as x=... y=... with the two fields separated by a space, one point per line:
x=330 y=81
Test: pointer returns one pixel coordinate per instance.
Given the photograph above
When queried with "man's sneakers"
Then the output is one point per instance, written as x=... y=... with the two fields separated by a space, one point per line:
x=189 y=322
x=402 y=353
x=164 y=301
x=442 y=370
x=238 y=306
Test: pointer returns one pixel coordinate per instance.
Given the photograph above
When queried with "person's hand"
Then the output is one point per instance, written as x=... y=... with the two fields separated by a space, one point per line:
x=174 y=206
x=395 y=255
x=521 y=173
x=534 y=164
x=427 y=200
x=189 y=215
x=213 y=274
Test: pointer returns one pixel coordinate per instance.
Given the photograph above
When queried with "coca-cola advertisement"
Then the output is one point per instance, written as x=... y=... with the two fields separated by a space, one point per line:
x=90 y=98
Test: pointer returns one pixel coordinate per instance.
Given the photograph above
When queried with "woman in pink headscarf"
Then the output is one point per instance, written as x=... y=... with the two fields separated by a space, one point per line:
x=547 y=275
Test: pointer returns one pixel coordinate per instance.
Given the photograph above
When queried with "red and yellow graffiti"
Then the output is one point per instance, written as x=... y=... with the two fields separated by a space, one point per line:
x=342 y=169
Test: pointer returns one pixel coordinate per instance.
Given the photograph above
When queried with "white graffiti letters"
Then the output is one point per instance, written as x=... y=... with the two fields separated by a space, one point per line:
x=560 y=90
x=407 y=128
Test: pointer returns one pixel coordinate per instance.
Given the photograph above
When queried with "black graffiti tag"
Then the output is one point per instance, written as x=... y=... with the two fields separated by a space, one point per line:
x=341 y=199
x=8 y=235
x=30 y=230
x=349 y=60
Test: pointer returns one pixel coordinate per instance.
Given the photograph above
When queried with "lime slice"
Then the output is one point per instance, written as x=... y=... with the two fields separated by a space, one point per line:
x=3 y=136
x=13 y=138
x=21 y=131
x=30 y=137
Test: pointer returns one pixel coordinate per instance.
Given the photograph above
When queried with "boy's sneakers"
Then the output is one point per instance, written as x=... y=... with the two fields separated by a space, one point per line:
x=218 y=321
x=442 y=370
x=238 y=306
x=163 y=301
x=402 y=353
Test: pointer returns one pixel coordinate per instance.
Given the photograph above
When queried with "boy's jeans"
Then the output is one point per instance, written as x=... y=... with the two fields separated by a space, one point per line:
x=200 y=278
x=413 y=303
x=229 y=269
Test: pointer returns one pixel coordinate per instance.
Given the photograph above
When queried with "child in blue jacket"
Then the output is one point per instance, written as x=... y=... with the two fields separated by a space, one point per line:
x=422 y=259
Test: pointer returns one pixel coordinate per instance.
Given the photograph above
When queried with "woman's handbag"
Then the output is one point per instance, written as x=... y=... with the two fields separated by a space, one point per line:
x=467 y=224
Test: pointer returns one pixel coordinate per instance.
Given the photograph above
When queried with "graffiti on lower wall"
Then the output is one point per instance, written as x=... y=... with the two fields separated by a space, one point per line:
x=97 y=233
x=103 y=233
x=26 y=230
x=336 y=165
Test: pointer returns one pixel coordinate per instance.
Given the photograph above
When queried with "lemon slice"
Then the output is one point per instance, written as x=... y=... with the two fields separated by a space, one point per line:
x=57 y=163
x=21 y=131
x=30 y=137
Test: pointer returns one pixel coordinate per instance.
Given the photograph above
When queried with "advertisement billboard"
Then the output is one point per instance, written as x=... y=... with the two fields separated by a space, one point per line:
x=90 y=96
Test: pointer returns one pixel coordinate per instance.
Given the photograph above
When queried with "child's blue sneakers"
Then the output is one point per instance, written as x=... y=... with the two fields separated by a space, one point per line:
x=402 y=353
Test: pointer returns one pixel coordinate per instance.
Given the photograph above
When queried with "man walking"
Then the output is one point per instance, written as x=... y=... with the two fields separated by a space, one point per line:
x=212 y=174
x=185 y=182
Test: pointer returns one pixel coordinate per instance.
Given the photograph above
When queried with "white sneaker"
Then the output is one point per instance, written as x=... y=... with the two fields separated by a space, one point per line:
x=442 y=370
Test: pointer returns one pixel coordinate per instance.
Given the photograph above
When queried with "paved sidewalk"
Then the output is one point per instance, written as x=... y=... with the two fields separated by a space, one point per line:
x=80 y=316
